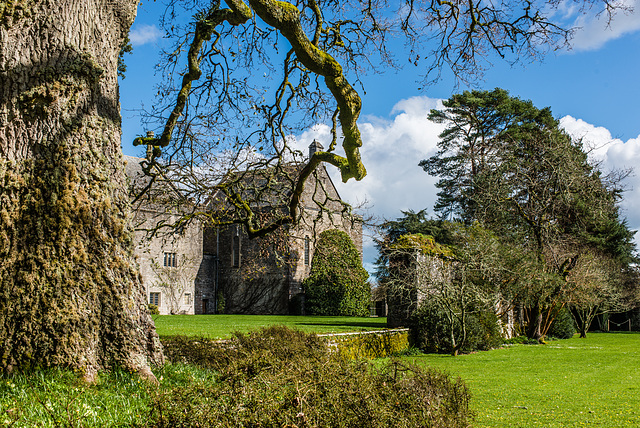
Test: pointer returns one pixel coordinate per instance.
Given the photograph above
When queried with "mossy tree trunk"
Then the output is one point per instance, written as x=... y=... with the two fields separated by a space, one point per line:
x=70 y=293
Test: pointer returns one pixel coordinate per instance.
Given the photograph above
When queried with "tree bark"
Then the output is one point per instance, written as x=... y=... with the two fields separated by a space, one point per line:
x=70 y=292
x=535 y=323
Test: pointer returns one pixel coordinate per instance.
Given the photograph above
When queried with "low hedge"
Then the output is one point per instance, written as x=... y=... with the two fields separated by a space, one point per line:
x=279 y=377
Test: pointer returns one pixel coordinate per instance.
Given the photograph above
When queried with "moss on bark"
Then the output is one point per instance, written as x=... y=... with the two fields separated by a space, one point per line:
x=71 y=295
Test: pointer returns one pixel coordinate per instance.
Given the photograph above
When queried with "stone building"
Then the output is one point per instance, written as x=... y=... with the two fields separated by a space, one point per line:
x=264 y=275
x=198 y=270
x=169 y=259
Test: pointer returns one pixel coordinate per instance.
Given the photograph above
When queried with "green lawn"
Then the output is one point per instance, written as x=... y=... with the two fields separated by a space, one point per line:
x=592 y=382
x=221 y=326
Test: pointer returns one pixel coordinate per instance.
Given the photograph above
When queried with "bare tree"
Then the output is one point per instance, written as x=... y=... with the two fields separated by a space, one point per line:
x=597 y=287
x=245 y=91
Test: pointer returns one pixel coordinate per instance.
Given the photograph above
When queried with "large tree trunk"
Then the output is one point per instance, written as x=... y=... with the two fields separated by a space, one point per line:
x=70 y=293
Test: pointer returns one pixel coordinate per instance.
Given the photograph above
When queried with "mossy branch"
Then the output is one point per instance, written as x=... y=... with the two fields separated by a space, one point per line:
x=286 y=18
x=237 y=14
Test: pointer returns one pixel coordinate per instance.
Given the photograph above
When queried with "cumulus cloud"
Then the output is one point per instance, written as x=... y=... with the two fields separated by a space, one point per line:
x=143 y=34
x=613 y=154
x=392 y=148
x=594 y=30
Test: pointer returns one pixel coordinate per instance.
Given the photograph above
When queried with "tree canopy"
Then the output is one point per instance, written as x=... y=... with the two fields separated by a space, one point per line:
x=508 y=165
x=337 y=283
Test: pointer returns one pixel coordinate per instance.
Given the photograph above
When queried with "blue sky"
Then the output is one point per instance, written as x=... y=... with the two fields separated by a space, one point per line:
x=594 y=88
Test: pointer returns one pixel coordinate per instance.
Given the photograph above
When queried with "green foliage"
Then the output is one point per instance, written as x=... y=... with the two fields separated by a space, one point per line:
x=508 y=165
x=563 y=326
x=153 y=309
x=281 y=377
x=430 y=331
x=125 y=48
x=426 y=244
x=337 y=283
x=476 y=121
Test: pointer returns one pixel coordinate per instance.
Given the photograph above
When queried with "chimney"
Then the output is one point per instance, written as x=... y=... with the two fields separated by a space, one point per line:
x=315 y=147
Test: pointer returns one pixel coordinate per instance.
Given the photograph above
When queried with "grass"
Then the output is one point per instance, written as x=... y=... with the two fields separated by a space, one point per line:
x=57 y=398
x=221 y=326
x=592 y=382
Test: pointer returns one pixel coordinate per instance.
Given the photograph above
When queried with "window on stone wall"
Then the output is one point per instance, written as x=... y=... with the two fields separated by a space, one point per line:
x=154 y=299
x=187 y=299
x=235 y=246
x=307 y=245
x=170 y=260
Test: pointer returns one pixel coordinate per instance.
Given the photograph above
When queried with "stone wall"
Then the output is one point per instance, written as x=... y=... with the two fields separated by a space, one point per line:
x=169 y=259
x=411 y=275
x=256 y=281
x=183 y=249
x=270 y=271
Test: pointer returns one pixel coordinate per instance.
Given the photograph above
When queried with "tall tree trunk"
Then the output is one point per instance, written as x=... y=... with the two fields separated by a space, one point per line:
x=70 y=293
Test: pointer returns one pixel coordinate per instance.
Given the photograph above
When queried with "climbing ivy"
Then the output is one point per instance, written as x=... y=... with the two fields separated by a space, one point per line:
x=337 y=284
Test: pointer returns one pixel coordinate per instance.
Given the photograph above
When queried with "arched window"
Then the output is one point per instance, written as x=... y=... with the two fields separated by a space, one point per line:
x=307 y=245
x=235 y=246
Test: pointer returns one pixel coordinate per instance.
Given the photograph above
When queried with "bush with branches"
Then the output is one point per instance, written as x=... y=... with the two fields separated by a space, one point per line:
x=281 y=377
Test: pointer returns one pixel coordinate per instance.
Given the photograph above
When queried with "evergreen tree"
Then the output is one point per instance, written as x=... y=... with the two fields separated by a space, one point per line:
x=337 y=283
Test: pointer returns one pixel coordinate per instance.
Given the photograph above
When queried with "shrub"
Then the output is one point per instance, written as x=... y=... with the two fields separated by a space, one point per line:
x=337 y=283
x=429 y=330
x=280 y=377
x=563 y=326
x=153 y=309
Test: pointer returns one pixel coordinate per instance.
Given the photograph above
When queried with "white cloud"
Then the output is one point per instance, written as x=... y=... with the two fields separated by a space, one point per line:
x=594 y=30
x=391 y=151
x=613 y=154
x=143 y=34
x=596 y=140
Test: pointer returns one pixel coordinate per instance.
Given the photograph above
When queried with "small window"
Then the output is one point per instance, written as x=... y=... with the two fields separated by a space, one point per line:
x=235 y=247
x=187 y=299
x=170 y=259
x=307 y=245
x=154 y=299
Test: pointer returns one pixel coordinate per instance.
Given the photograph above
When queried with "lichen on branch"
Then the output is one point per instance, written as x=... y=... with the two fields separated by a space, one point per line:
x=285 y=17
